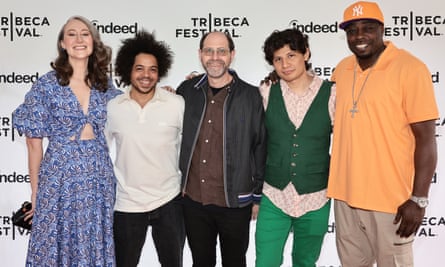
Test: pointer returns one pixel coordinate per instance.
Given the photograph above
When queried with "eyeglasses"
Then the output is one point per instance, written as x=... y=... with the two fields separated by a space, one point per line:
x=208 y=51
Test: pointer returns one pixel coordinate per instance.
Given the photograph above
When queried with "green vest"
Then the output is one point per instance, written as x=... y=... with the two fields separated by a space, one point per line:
x=300 y=156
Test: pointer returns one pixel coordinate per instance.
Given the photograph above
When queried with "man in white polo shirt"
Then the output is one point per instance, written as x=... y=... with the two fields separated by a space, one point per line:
x=145 y=124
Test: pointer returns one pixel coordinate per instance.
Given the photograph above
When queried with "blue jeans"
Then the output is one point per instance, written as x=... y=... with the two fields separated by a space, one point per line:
x=168 y=233
x=203 y=226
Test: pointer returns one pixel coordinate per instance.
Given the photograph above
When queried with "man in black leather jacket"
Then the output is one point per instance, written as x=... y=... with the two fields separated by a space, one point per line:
x=223 y=155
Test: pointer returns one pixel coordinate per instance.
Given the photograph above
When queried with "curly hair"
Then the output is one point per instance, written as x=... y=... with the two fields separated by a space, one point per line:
x=98 y=61
x=296 y=40
x=143 y=42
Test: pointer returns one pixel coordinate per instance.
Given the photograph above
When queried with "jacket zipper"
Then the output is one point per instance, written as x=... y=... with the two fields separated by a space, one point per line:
x=194 y=141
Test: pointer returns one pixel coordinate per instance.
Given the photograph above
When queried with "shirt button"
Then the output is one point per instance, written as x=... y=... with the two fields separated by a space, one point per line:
x=204 y=161
x=294 y=174
x=294 y=135
x=295 y=145
x=294 y=155
x=202 y=181
x=210 y=121
x=207 y=140
x=213 y=101
x=293 y=164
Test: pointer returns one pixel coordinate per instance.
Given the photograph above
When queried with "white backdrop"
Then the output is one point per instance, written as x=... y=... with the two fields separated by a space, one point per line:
x=28 y=33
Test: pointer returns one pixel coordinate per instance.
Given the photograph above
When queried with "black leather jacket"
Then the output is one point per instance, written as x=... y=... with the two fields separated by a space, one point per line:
x=244 y=137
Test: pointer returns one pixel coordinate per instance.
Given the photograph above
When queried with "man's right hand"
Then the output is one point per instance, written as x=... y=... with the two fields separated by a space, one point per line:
x=272 y=77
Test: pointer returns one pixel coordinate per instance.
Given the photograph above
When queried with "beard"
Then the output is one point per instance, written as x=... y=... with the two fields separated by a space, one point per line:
x=143 y=92
x=373 y=53
x=215 y=68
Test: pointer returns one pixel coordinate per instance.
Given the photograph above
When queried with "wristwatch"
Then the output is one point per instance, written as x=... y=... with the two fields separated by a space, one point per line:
x=420 y=201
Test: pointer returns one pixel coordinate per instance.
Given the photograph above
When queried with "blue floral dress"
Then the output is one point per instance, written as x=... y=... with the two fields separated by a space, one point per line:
x=72 y=224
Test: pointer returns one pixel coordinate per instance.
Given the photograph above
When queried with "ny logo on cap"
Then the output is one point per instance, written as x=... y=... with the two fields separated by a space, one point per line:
x=357 y=11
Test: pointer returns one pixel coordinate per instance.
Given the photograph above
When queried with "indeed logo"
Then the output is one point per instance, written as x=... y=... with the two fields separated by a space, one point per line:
x=436 y=77
x=115 y=28
x=312 y=27
x=434 y=179
x=22 y=26
x=14 y=178
x=18 y=78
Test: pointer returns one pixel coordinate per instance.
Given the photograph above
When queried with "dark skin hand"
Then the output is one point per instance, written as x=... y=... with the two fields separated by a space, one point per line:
x=409 y=214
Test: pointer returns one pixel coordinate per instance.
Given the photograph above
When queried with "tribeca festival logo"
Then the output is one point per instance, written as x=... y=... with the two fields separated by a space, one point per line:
x=414 y=26
x=313 y=27
x=113 y=28
x=440 y=127
x=8 y=230
x=13 y=27
x=323 y=71
x=430 y=226
x=6 y=129
x=115 y=78
x=202 y=25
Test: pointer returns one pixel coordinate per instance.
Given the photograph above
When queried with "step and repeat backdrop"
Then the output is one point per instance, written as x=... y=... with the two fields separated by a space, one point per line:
x=28 y=33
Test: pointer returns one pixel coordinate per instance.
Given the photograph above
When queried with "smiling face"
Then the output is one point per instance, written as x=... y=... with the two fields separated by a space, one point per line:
x=365 y=40
x=144 y=74
x=77 y=40
x=215 y=55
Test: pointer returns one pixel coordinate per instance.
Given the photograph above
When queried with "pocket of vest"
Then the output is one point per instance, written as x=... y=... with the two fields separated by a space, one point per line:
x=319 y=168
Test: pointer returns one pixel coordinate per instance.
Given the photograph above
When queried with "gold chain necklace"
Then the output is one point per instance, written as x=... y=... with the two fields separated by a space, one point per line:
x=355 y=101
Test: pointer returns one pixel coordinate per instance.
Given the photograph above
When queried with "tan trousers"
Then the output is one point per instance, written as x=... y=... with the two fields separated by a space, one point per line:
x=366 y=237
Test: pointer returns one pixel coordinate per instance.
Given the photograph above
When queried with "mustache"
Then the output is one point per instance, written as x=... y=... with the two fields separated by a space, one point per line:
x=147 y=78
x=214 y=61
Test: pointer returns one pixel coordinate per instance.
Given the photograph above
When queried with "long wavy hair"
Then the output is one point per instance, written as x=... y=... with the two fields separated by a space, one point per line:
x=98 y=61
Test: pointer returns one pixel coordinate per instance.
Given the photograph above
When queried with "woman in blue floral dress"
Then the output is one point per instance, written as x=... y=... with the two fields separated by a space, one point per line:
x=73 y=184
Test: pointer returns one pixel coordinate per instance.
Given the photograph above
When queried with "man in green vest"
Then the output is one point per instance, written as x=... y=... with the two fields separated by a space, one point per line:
x=299 y=111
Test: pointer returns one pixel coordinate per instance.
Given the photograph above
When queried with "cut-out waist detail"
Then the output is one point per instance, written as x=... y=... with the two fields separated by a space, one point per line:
x=87 y=133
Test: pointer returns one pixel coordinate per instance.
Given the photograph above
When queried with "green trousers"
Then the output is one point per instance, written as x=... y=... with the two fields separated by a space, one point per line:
x=272 y=231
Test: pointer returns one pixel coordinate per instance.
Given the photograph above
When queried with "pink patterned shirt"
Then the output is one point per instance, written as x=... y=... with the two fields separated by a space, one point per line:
x=288 y=199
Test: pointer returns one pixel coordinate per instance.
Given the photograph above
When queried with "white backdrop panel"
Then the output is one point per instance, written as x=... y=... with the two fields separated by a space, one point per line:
x=28 y=33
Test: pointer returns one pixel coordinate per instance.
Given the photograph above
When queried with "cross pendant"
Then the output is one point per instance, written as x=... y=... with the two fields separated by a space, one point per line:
x=353 y=110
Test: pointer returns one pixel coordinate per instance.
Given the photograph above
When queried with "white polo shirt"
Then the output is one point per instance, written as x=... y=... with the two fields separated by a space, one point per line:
x=146 y=142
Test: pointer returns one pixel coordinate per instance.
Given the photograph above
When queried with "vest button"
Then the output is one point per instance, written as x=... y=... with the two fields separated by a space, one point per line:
x=293 y=164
